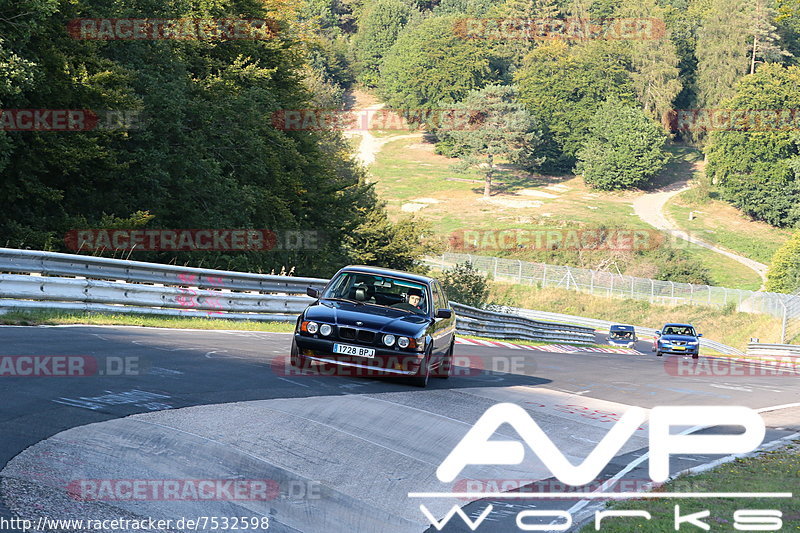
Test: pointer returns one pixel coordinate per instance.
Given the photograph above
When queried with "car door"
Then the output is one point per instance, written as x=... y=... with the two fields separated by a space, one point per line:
x=448 y=325
x=438 y=323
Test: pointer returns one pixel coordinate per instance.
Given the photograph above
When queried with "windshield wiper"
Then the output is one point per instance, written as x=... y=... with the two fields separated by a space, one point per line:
x=344 y=300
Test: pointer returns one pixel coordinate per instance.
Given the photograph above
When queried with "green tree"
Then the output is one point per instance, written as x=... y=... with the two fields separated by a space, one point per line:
x=563 y=86
x=376 y=241
x=734 y=36
x=784 y=269
x=624 y=150
x=653 y=63
x=465 y=285
x=204 y=152
x=378 y=29
x=722 y=46
x=497 y=126
x=755 y=161
x=431 y=65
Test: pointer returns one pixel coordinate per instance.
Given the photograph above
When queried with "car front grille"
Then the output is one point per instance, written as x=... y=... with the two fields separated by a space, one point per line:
x=360 y=335
x=679 y=343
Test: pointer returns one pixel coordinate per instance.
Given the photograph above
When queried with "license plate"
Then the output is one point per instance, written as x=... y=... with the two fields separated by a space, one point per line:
x=354 y=350
x=679 y=347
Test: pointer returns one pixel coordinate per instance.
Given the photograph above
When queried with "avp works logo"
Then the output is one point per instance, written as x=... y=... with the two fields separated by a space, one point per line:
x=476 y=448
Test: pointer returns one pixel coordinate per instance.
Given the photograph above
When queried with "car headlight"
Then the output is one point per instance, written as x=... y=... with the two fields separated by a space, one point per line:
x=403 y=342
x=325 y=329
x=692 y=343
x=388 y=340
x=312 y=327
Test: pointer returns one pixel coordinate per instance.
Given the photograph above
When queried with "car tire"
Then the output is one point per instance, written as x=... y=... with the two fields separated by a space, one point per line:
x=420 y=379
x=658 y=354
x=294 y=357
x=446 y=366
x=696 y=356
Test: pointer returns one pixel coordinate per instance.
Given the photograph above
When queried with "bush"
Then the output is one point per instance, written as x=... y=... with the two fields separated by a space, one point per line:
x=678 y=267
x=465 y=285
x=784 y=270
x=625 y=148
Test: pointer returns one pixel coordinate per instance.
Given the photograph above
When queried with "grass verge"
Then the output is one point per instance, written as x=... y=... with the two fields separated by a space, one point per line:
x=774 y=471
x=722 y=224
x=52 y=318
x=720 y=324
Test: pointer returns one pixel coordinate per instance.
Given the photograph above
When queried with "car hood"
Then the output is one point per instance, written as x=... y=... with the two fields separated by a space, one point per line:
x=678 y=338
x=383 y=319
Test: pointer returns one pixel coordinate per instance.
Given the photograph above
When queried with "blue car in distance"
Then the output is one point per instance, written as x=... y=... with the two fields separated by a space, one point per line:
x=621 y=335
x=677 y=338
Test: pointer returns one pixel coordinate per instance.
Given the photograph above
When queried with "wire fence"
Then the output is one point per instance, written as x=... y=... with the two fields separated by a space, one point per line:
x=791 y=321
x=616 y=285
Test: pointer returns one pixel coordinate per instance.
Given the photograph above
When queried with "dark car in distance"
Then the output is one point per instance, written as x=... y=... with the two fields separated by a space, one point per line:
x=622 y=335
x=677 y=338
x=378 y=322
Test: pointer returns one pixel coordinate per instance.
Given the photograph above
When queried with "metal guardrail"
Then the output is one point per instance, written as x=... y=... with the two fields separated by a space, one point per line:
x=604 y=325
x=481 y=322
x=58 y=264
x=761 y=348
x=152 y=288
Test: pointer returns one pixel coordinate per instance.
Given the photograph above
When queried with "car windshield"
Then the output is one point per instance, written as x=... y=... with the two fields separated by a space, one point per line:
x=621 y=334
x=679 y=330
x=384 y=291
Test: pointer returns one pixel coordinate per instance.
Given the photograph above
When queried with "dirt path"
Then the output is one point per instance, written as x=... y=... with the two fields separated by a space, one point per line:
x=370 y=145
x=650 y=208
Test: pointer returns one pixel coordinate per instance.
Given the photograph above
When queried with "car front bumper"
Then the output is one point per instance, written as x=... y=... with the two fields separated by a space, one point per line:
x=692 y=350
x=386 y=361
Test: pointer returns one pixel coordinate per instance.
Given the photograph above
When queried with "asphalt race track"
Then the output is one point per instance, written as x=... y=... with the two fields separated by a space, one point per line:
x=340 y=454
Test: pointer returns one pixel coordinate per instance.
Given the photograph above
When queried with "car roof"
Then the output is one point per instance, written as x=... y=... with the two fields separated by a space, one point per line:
x=622 y=327
x=679 y=325
x=387 y=272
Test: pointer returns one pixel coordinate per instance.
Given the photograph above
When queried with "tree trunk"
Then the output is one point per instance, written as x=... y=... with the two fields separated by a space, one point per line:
x=487 y=186
x=753 y=58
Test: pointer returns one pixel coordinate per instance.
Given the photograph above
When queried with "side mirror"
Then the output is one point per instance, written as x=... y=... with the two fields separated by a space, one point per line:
x=658 y=333
x=699 y=334
x=311 y=291
x=444 y=313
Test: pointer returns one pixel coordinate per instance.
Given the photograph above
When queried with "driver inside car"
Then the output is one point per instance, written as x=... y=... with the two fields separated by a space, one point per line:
x=412 y=301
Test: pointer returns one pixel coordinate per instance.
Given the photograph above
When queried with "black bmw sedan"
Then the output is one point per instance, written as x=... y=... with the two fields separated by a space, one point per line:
x=371 y=321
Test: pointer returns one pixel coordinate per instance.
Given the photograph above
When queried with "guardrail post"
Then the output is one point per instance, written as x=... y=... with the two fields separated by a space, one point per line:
x=691 y=293
x=652 y=290
x=544 y=276
x=672 y=293
x=783 y=323
x=591 y=284
x=520 y=270
x=709 y=294
x=495 y=269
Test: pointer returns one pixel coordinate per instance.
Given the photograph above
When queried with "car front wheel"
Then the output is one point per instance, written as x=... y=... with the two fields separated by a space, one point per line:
x=658 y=354
x=294 y=357
x=446 y=366
x=420 y=379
